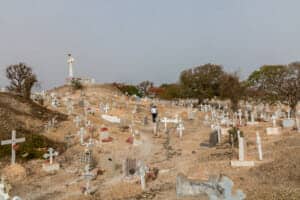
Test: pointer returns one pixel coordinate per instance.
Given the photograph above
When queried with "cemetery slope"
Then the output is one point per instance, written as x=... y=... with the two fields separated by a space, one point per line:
x=22 y=115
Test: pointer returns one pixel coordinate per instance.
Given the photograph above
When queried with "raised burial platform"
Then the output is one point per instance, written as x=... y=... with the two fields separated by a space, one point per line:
x=273 y=131
x=238 y=163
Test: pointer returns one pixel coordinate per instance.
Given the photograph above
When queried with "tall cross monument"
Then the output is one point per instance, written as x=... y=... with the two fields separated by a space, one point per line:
x=70 y=62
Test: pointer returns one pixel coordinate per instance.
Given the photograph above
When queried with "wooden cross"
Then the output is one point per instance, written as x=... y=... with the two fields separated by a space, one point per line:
x=13 y=141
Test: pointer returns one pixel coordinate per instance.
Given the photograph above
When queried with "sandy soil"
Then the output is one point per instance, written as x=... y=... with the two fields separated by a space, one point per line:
x=276 y=177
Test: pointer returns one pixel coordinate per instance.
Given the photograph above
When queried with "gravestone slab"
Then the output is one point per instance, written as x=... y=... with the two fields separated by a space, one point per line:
x=250 y=123
x=273 y=131
x=238 y=163
x=213 y=189
x=213 y=139
x=51 y=167
x=112 y=119
x=288 y=123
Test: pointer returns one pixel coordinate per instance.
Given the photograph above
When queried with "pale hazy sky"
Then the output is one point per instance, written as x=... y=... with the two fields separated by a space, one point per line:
x=135 y=40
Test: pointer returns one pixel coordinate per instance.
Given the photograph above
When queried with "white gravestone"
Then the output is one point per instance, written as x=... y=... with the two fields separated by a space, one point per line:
x=180 y=129
x=274 y=130
x=240 y=114
x=252 y=122
x=298 y=124
x=3 y=193
x=77 y=121
x=13 y=141
x=288 y=122
x=81 y=133
x=88 y=176
x=112 y=119
x=241 y=161
x=259 y=147
x=51 y=166
x=142 y=172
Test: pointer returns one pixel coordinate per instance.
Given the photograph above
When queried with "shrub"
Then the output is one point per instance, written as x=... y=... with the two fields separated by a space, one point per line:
x=233 y=136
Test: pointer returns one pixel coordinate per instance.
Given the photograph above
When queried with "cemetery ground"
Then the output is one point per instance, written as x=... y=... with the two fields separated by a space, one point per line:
x=276 y=177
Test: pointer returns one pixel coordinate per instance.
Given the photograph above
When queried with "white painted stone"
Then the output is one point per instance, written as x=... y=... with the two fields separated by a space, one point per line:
x=112 y=119
x=81 y=133
x=298 y=124
x=51 y=167
x=273 y=131
x=3 y=194
x=259 y=146
x=237 y=163
x=224 y=131
x=241 y=148
x=288 y=123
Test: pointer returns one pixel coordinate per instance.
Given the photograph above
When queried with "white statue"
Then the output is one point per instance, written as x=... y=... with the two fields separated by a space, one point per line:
x=70 y=62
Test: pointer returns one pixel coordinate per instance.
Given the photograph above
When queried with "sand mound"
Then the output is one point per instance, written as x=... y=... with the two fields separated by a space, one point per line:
x=14 y=172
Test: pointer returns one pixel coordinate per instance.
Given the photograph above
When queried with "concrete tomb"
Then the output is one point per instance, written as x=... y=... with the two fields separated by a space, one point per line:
x=213 y=189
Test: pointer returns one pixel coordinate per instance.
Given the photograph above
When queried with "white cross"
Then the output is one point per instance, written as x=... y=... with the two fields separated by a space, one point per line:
x=50 y=155
x=274 y=120
x=106 y=108
x=13 y=141
x=180 y=129
x=259 y=148
x=81 y=134
x=90 y=144
x=77 y=120
x=88 y=176
x=142 y=172
x=165 y=120
x=240 y=116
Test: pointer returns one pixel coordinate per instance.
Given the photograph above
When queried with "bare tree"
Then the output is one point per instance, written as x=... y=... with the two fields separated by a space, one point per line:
x=21 y=79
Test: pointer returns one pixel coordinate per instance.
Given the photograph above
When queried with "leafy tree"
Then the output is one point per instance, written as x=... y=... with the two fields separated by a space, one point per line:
x=21 y=79
x=170 y=91
x=128 y=89
x=144 y=87
x=76 y=84
x=231 y=88
x=202 y=82
x=277 y=83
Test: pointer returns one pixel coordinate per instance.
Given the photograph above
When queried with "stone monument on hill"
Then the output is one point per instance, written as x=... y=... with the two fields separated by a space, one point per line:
x=70 y=62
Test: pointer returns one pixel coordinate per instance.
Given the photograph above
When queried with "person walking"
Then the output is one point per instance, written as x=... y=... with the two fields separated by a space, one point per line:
x=154 y=113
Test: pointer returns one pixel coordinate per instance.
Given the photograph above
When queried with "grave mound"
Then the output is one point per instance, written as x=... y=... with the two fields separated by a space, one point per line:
x=14 y=173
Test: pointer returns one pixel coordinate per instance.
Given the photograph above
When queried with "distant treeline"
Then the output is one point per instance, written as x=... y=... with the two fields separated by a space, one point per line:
x=270 y=83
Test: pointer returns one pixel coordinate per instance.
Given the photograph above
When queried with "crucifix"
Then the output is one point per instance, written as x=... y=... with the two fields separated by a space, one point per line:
x=13 y=141
x=50 y=155
x=180 y=129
